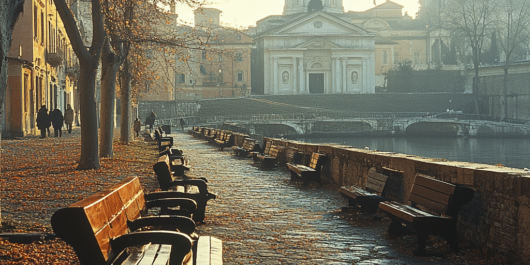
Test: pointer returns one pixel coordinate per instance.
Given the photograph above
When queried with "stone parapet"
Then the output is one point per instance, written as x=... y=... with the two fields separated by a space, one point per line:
x=498 y=217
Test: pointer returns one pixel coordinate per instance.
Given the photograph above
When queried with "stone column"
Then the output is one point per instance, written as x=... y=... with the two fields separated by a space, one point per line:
x=303 y=89
x=275 y=76
x=333 y=75
x=344 y=76
x=295 y=76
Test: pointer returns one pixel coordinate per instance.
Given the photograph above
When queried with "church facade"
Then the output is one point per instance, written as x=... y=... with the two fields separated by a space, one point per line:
x=313 y=51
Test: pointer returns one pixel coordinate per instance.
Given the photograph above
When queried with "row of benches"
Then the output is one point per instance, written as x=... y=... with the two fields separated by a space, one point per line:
x=434 y=204
x=433 y=210
x=118 y=226
x=268 y=156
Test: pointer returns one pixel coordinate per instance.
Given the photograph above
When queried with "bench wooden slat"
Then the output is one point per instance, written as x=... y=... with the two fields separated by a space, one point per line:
x=209 y=251
x=163 y=256
x=435 y=184
x=376 y=182
x=423 y=195
x=150 y=254
x=410 y=214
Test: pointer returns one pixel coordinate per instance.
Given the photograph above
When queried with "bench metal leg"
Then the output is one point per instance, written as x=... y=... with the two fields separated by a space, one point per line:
x=422 y=237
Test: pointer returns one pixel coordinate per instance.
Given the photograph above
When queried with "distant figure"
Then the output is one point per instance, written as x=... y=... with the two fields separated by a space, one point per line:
x=43 y=121
x=150 y=120
x=69 y=118
x=57 y=122
x=182 y=123
x=137 y=127
x=314 y=5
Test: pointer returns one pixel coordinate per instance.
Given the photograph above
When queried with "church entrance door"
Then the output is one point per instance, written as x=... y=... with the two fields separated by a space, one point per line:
x=316 y=83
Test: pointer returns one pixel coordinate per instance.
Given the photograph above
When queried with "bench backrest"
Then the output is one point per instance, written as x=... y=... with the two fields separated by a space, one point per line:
x=248 y=144
x=267 y=148
x=434 y=194
x=376 y=182
x=316 y=161
x=274 y=150
x=88 y=225
x=162 y=170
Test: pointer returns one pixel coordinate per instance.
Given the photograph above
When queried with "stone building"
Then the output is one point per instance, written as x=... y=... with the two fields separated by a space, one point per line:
x=41 y=68
x=370 y=43
x=215 y=63
x=302 y=52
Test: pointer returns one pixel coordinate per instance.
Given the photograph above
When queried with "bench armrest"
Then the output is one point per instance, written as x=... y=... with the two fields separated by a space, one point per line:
x=199 y=183
x=178 y=194
x=184 y=203
x=181 y=243
x=184 y=224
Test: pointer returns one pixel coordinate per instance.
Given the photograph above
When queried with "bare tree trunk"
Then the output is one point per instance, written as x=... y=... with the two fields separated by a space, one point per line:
x=504 y=101
x=88 y=66
x=126 y=132
x=89 y=119
x=476 y=85
x=109 y=70
x=9 y=11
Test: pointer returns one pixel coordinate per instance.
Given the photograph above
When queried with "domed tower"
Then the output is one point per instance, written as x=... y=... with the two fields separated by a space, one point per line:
x=300 y=6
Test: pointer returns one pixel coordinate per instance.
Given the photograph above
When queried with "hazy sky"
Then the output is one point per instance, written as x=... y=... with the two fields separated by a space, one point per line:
x=244 y=13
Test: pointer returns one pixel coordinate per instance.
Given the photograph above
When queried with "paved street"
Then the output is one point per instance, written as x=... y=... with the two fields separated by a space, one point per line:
x=262 y=218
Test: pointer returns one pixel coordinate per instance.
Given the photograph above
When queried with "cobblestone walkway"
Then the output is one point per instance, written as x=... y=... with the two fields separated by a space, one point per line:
x=262 y=218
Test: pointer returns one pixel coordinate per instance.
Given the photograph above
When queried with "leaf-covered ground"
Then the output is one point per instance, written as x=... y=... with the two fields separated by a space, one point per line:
x=39 y=176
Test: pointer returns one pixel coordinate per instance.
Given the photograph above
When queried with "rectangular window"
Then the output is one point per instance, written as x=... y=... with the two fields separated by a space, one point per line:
x=36 y=22
x=396 y=57
x=238 y=37
x=385 y=57
x=416 y=58
x=204 y=54
x=42 y=27
x=240 y=77
x=181 y=78
x=239 y=58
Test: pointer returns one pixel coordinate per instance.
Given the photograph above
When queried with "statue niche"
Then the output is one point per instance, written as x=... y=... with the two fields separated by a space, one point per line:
x=314 y=6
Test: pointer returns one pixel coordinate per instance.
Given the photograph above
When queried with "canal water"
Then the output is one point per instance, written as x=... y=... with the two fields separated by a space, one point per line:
x=510 y=152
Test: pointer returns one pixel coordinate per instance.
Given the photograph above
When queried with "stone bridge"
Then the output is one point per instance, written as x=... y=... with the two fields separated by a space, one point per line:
x=417 y=126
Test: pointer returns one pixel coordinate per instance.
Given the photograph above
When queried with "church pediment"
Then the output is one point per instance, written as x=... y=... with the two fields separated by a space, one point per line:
x=320 y=23
x=318 y=44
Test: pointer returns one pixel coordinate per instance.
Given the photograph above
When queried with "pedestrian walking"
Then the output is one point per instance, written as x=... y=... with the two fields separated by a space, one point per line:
x=150 y=120
x=137 y=127
x=69 y=118
x=182 y=123
x=57 y=122
x=43 y=121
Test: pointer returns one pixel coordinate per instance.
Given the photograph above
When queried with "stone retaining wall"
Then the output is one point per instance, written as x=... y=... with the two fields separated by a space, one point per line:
x=498 y=218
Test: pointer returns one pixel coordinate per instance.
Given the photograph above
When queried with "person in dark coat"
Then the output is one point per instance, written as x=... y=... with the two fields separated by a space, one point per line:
x=43 y=121
x=69 y=117
x=57 y=122
x=150 y=120
x=182 y=123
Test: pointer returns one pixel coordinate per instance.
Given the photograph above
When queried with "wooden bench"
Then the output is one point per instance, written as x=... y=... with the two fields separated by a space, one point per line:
x=292 y=156
x=177 y=161
x=167 y=181
x=440 y=203
x=368 y=199
x=254 y=154
x=249 y=145
x=102 y=229
x=308 y=173
x=225 y=139
x=213 y=134
x=269 y=159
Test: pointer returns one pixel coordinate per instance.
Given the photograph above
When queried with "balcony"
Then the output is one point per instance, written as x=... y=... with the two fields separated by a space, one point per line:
x=54 y=56
x=72 y=68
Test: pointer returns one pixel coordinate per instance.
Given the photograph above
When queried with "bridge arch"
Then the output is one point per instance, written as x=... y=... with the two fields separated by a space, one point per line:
x=423 y=128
